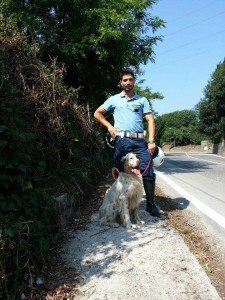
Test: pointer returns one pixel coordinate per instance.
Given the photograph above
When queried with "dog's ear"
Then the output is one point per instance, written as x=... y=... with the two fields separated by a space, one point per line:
x=122 y=163
x=115 y=172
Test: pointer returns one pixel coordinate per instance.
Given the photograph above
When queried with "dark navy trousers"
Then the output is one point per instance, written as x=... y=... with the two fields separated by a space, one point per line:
x=138 y=146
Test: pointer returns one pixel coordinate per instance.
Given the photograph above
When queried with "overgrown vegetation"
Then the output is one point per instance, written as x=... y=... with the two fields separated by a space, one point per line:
x=47 y=147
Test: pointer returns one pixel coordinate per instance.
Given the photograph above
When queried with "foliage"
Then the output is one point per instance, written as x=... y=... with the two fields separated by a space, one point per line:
x=211 y=109
x=178 y=128
x=148 y=94
x=94 y=39
x=25 y=210
x=47 y=147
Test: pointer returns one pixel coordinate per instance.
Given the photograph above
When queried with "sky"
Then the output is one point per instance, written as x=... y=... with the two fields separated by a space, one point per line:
x=193 y=45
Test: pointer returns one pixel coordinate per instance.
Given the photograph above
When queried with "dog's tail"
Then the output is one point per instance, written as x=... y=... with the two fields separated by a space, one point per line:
x=95 y=217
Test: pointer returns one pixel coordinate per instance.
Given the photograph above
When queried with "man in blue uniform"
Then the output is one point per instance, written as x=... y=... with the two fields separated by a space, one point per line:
x=128 y=110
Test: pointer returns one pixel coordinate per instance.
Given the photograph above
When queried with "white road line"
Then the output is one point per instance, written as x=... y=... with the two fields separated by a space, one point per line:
x=212 y=214
x=204 y=159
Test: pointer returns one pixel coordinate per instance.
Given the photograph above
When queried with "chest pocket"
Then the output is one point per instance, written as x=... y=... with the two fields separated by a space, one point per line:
x=136 y=107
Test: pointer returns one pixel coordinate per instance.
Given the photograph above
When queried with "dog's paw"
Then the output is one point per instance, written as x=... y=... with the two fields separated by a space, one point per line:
x=131 y=226
x=115 y=225
x=140 y=222
x=109 y=224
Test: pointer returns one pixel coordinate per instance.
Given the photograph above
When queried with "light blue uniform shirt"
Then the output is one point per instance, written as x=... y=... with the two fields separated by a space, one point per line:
x=127 y=113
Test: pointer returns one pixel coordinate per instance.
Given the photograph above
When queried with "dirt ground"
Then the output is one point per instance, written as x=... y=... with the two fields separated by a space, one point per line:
x=61 y=281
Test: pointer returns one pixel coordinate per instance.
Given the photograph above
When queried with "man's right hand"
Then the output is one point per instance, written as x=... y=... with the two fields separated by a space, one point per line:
x=112 y=130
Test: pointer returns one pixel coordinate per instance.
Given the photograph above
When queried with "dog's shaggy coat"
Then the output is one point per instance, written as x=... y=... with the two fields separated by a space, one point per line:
x=122 y=199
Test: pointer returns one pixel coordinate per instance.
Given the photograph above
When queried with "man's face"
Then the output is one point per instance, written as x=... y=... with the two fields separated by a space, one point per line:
x=127 y=82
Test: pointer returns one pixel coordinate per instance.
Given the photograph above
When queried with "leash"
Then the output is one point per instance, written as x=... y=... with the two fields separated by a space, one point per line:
x=147 y=166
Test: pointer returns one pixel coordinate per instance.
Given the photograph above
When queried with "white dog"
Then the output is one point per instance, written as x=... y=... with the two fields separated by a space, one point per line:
x=122 y=199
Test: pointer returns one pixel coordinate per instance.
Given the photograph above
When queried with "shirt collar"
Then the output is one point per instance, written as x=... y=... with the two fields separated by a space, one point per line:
x=122 y=95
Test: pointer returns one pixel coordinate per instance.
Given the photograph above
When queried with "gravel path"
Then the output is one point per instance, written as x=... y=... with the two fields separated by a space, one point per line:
x=151 y=262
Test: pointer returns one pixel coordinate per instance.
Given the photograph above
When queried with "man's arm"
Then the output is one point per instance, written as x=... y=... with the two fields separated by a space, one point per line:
x=99 y=116
x=151 y=131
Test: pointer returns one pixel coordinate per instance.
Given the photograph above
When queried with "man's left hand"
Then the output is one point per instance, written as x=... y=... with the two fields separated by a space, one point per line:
x=151 y=148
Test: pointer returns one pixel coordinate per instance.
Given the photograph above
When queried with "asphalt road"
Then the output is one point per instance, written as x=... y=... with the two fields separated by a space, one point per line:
x=197 y=182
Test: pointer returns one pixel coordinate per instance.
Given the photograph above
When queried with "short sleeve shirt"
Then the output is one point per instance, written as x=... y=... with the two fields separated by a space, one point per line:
x=128 y=113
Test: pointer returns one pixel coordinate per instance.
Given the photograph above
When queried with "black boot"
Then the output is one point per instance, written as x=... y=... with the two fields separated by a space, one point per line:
x=149 y=187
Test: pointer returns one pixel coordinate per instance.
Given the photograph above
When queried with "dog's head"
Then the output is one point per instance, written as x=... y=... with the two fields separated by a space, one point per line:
x=130 y=164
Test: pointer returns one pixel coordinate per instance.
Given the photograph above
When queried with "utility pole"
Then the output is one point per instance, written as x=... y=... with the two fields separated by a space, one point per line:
x=174 y=139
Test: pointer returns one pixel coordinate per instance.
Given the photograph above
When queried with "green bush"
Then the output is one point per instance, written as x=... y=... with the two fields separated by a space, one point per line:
x=25 y=210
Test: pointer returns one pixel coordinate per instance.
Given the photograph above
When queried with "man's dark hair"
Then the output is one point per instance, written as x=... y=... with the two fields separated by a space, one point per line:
x=126 y=72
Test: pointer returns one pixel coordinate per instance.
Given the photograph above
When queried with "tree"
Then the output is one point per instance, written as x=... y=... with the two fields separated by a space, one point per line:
x=94 y=39
x=211 y=109
x=178 y=128
x=148 y=94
